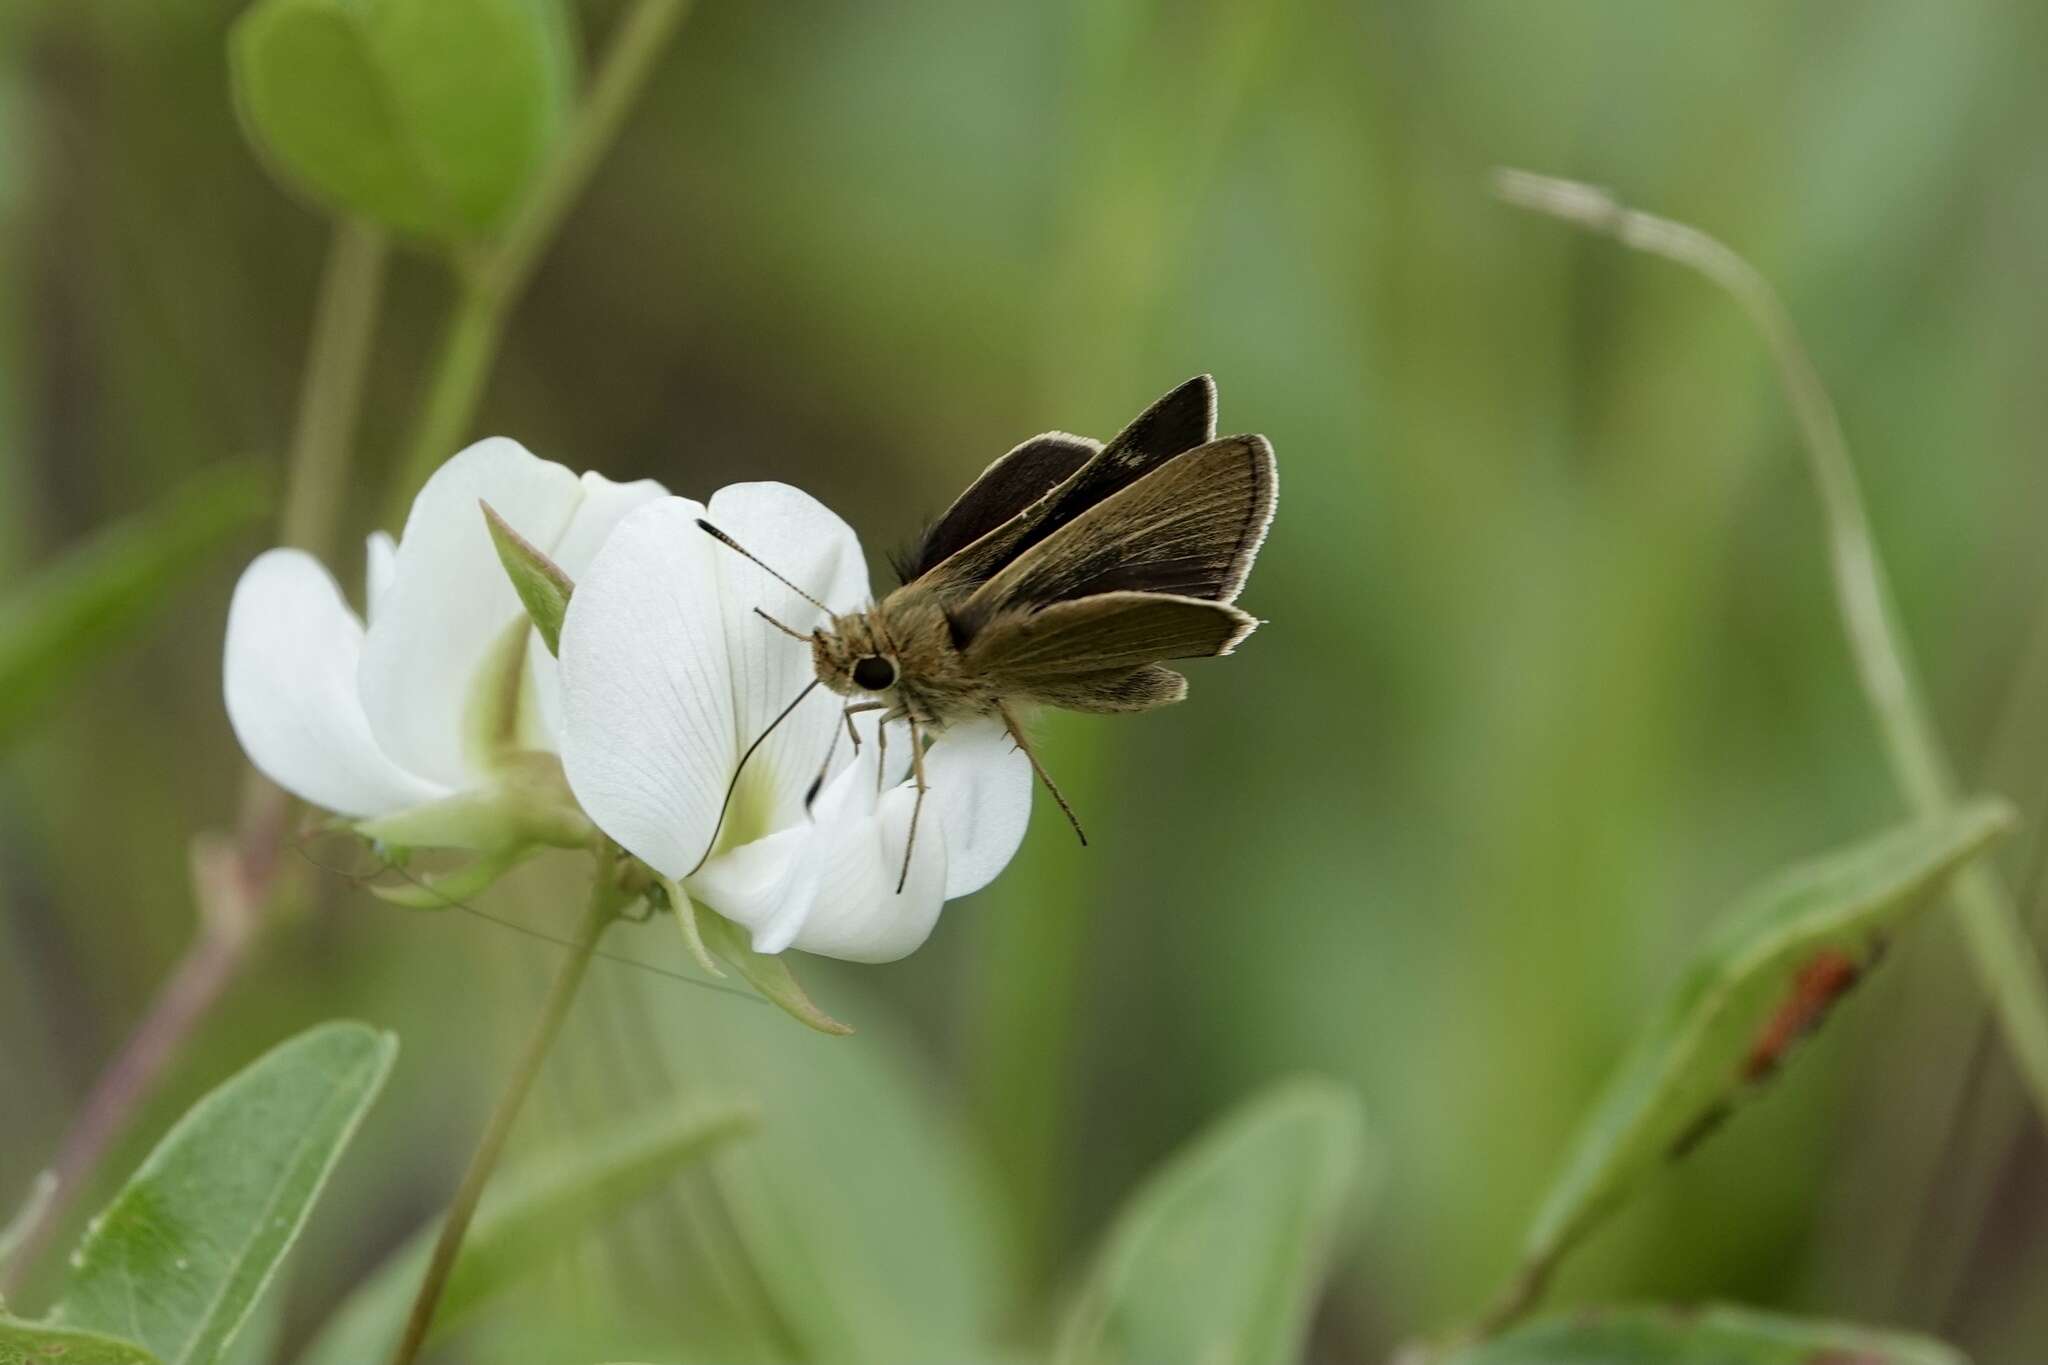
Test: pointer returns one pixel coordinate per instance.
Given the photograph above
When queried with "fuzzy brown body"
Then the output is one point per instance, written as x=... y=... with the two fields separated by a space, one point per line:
x=935 y=684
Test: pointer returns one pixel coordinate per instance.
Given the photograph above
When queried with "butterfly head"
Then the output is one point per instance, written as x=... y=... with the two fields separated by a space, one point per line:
x=852 y=657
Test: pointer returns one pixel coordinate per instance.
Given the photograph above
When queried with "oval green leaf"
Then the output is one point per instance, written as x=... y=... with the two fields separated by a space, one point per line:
x=1219 y=1256
x=1767 y=975
x=31 y=1343
x=66 y=617
x=429 y=116
x=1706 y=1336
x=533 y=1214
x=180 y=1257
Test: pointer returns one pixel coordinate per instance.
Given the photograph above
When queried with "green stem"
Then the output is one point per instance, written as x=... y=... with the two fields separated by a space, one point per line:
x=330 y=396
x=492 y=284
x=233 y=879
x=603 y=908
x=462 y=365
x=2004 y=957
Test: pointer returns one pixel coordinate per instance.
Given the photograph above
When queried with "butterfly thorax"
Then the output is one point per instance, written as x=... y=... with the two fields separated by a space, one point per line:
x=901 y=652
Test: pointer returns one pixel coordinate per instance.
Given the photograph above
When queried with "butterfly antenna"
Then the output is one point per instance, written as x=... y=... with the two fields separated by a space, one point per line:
x=734 y=785
x=791 y=632
x=723 y=539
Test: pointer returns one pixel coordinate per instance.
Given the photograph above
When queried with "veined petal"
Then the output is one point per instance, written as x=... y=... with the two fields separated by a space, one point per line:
x=808 y=544
x=648 y=739
x=981 y=795
x=603 y=506
x=449 y=603
x=289 y=674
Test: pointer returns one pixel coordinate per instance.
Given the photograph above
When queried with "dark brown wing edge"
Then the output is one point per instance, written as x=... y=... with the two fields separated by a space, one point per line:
x=1008 y=486
x=1182 y=419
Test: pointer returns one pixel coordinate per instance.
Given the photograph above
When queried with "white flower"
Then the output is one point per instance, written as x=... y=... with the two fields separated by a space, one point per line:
x=449 y=686
x=668 y=675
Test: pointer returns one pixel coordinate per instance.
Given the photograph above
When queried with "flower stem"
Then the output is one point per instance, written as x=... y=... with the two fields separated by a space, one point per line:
x=2004 y=958
x=603 y=908
x=492 y=283
x=233 y=878
x=330 y=397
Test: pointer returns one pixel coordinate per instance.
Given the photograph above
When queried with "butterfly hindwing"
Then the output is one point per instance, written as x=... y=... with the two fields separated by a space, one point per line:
x=1112 y=633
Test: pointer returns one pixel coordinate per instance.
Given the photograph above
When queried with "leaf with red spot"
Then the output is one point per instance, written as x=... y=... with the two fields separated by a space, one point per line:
x=1768 y=975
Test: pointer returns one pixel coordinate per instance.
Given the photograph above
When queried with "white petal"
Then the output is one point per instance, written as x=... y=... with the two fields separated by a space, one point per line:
x=806 y=543
x=449 y=601
x=290 y=677
x=648 y=738
x=859 y=915
x=767 y=886
x=981 y=794
x=604 y=504
x=380 y=566
x=602 y=507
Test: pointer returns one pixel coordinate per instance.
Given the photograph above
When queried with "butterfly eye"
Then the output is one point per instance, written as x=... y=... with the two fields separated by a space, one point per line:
x=874 y=673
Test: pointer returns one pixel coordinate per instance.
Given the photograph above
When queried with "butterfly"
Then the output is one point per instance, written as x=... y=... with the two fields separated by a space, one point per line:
x=1065 y=576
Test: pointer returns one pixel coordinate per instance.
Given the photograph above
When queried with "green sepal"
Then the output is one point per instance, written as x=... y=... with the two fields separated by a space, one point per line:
x=767 y=974
x=539 y=581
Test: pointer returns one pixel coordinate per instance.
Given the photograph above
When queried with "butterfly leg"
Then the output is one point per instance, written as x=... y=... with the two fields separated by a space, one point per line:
x=1017 y=733
x=825 y=768
x=917 y=768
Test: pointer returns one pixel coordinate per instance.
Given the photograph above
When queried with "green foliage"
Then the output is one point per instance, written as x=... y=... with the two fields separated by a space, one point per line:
x=1220 y=1256
x=29 y=1343
x=429 y=116
x=860 y=1211
x=533 y=1215
x=65 y=619
x=1708 y=1336
x=542 y=586
x=1767 y=975
x=180 y=1257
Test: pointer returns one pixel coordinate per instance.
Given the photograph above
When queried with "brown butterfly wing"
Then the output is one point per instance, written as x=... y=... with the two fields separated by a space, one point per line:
x=1101 y=653
x=1006 y=488
x=1183 y=419
x=1191 y=529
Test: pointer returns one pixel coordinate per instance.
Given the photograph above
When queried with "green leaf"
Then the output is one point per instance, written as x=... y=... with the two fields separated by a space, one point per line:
x=532 y=1215
x=1706 y=1336
x=66 y=618
x=1766 y=976
x=429 y=116
x=1219 y=1256
x=770 y=975
x=862 y=1212
x=31 y=1343
x=180 y=1257
x=539 y=581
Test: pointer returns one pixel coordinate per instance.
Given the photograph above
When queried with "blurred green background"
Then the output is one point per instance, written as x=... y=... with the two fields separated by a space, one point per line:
x=1552 y=671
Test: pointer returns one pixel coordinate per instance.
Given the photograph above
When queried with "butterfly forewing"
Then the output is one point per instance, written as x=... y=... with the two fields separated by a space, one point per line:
x=1190 y=528
x=1007 y=487
x=1184 y=418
